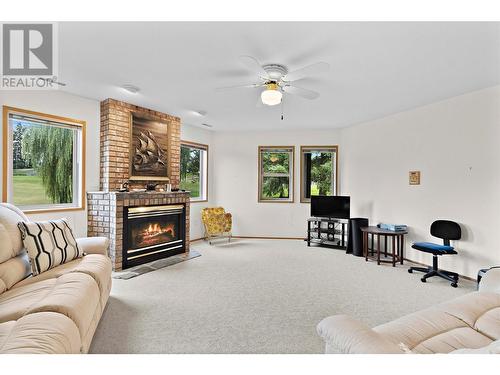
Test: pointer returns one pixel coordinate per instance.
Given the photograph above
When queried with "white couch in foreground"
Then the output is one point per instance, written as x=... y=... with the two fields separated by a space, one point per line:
x=468 y=324
x=58 y=310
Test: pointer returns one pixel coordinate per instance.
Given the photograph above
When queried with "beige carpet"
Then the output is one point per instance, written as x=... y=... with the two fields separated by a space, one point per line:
x=257 y=296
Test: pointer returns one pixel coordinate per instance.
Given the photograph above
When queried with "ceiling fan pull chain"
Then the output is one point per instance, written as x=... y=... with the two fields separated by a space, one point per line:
x=282 y=110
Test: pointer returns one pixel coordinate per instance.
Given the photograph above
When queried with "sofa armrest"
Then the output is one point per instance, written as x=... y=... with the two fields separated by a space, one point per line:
x=93 y=245
x=349 y=336
x=490 y=282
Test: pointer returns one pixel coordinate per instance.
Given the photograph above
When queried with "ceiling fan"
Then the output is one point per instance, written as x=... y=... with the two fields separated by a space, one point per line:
x=277 y=80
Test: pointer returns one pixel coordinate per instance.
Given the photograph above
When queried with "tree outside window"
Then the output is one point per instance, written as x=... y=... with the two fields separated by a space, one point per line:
x=276 y=174
x=318 y=171
x=45 y=166
x=194 y=170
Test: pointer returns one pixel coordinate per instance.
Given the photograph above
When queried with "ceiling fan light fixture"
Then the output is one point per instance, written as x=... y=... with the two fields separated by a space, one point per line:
x=271 y=95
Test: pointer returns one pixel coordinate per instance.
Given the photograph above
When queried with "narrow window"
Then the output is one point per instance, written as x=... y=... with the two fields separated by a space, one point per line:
x=194 y=170
x=276 y=173
x=318 y=171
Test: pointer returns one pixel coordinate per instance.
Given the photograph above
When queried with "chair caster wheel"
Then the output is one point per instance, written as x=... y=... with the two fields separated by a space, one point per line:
x=454 y=285
x=423 y=280
x=410 y=270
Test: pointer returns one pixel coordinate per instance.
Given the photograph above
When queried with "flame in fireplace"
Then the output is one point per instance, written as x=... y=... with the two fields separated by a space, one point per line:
x=157 y=229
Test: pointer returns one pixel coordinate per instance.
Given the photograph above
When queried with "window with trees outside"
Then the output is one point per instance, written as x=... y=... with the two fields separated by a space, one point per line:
x=43 y=157
x=276 y=173
x=194 y=170
x=318 y=171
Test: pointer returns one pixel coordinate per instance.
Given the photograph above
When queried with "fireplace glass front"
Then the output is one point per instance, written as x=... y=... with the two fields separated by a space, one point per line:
x=153 y=232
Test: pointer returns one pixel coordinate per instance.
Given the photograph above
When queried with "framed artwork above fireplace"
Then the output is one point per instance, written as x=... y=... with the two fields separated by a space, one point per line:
x=149 y=149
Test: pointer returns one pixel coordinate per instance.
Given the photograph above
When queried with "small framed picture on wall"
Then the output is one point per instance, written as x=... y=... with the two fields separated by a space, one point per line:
x=414 y=177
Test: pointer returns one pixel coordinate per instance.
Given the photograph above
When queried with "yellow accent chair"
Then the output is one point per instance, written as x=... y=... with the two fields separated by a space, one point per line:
x=217 y=223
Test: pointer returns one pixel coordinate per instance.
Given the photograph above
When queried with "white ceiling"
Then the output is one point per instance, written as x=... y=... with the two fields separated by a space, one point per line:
x=376 y=68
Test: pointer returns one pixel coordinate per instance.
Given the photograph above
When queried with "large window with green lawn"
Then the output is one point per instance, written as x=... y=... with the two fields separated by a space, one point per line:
x=194 y=170
x=43 y=161
x=276 y=173
x=318 y=171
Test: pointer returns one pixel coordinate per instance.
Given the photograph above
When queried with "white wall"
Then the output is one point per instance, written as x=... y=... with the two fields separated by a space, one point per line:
x=63 y=104
x=195 y=134
x=236 y=181
x=455 y=144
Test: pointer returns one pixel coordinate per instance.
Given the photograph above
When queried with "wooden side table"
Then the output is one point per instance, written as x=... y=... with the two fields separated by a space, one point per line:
x=396 y=237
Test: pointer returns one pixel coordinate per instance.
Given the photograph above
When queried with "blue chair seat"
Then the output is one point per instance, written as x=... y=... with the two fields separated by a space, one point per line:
x=433 y=248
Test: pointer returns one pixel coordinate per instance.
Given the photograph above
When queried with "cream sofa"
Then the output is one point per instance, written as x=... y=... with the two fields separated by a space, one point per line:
x=468 y=324
x=58 y=310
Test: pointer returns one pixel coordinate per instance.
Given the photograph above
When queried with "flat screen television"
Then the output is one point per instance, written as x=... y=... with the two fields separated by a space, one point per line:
x=336 y=207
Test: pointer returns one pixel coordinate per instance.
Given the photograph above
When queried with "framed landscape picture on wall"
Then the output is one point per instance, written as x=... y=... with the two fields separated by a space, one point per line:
x=148 y=149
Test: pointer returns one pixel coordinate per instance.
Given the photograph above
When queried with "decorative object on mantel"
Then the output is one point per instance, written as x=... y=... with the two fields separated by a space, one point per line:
x=414 y=177
x=151 y=187
x=156 y=265
x=148 y=149
x=125 y=187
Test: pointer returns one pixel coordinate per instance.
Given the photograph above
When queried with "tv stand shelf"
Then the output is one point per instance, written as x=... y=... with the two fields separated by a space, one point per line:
x=327 y=232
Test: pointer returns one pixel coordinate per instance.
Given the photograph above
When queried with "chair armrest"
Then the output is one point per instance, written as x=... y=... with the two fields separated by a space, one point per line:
x=350 y=336
x=490 y=282
x=93 y=245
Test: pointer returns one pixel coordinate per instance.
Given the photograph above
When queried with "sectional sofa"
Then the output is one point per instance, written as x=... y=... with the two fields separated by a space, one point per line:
x=467 y=324
x=57 y=311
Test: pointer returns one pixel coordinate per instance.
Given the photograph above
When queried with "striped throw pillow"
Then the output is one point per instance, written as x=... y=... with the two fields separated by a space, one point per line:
x=49 y=244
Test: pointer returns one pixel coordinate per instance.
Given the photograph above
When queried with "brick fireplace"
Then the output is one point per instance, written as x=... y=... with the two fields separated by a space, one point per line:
x=141 y=225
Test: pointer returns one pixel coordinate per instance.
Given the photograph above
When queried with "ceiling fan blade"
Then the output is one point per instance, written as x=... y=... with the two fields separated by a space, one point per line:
x=254 y=65
x=253 y=85
x=299 y=91
x=306 y=71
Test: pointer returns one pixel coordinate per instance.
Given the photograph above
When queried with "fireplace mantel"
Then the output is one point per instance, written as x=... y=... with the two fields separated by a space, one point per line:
x=105 y=215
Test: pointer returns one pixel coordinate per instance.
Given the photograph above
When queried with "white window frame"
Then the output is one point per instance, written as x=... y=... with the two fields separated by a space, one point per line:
x=78 y=159
x=291 y=173
x=203 y=169
x=307 y=149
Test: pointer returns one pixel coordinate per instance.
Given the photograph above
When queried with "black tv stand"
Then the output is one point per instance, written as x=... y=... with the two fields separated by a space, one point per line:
x=327 y=232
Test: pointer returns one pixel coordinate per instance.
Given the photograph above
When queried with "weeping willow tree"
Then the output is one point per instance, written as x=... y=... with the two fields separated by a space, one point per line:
x=49 y=149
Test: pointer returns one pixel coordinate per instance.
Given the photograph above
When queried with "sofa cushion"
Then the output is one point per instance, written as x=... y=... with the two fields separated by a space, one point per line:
x=95 y=265
x=479 y=310
x=13 y=271
x=470 y=321
x=74 y=294
x=10 y=216
x=454 y=339
x=6 y=248
x=40 y=333
x=416 y=328
x=49 y=244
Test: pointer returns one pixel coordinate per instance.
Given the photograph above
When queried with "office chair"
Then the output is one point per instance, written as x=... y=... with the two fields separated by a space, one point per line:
x=446 y=230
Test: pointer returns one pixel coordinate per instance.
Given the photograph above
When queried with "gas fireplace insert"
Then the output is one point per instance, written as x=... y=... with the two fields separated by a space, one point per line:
x=153 y=232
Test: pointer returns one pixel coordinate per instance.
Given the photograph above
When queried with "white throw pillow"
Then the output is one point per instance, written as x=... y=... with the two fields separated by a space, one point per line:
x=49 y=244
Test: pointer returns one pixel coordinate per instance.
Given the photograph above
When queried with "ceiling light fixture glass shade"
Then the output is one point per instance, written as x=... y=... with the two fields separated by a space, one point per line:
x=271 y=95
